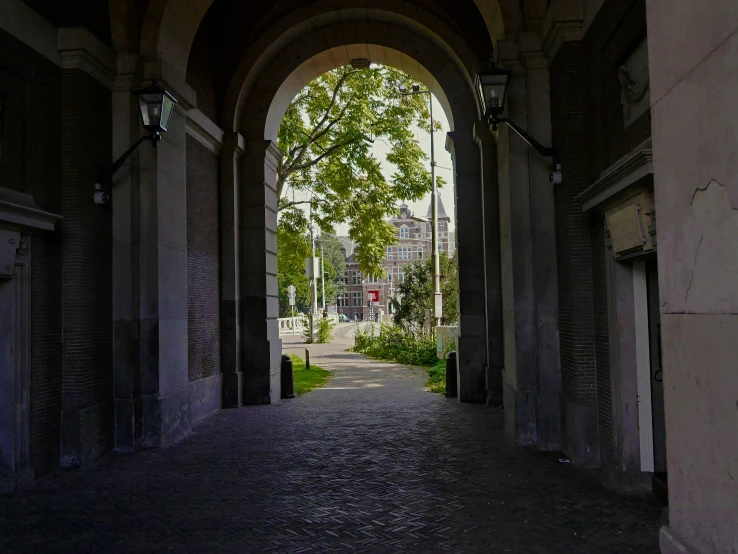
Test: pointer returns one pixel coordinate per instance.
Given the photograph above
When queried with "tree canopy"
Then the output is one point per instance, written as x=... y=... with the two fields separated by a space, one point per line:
x=326 y=137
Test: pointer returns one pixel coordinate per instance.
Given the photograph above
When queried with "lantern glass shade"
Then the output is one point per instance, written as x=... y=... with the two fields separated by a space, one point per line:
x=156 y=106
x=492 y=89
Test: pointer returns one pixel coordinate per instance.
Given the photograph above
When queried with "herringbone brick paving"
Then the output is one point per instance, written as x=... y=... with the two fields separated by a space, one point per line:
x=370 y=463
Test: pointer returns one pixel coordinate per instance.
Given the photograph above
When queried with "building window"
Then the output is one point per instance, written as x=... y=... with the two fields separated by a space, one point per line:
x=404 y=232
x=401 y=274
x=342 y=300
x=405 y=253
x=442 y=227
x=357 y=278
x=372 y=279
x=357 y=298
x=390 y=253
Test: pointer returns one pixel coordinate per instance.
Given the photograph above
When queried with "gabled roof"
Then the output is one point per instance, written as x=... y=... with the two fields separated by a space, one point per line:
x=441 y=210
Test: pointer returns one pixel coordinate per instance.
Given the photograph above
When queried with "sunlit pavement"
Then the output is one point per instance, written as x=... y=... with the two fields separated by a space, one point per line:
x=371 y=462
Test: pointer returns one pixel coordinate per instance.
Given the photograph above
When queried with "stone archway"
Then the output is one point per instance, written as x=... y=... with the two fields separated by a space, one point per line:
x=305 y=57
x=168 y=28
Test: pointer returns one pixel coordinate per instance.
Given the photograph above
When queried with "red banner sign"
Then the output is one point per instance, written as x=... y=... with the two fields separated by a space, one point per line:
x=373 y=295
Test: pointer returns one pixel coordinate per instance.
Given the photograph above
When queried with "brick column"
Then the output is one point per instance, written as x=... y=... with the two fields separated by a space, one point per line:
x=564 y=50
x=86 y=275
x=472 y=340
x=261 y=347
x=492 y=276
x=230 y=345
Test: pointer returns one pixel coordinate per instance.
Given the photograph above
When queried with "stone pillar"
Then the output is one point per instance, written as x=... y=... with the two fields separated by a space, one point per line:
x=492 y=277
x=472 y=339
x=518 y=299
x=531 y=377
x=163 y=286
x=261 y=347
x=230 y=345
x=543 y=242
x=694 y=84
x=124 y=193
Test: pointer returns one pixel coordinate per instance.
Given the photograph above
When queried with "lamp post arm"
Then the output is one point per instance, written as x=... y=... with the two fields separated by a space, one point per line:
x=542 y=150
x=120 y=161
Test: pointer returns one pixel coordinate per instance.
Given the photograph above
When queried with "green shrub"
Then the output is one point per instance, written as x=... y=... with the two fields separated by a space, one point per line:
x=398 y=344
x=325 y=330
x=306 y=335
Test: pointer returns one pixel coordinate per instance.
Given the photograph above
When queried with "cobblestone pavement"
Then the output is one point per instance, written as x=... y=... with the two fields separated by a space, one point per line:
x=369 y=463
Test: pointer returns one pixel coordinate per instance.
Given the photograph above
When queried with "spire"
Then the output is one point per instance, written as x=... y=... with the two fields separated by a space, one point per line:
x=441 y=210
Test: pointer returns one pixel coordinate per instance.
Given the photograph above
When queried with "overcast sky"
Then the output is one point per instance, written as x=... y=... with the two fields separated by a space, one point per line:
x=443 y=167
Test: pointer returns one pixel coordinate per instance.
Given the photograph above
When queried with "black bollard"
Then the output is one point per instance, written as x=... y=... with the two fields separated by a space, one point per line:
x=451 y=381
x=288 y=382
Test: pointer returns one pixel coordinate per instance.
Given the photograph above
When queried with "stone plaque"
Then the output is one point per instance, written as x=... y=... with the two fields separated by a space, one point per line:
x=625 y=229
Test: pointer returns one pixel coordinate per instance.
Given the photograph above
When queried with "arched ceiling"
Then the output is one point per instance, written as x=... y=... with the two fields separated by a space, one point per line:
x=167 y=29
x=336 y=28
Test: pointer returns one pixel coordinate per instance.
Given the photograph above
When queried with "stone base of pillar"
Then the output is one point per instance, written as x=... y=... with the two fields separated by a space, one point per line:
x=262 y=378
x=494 y=386
x=233 y=385
x=17 y=481
x=581 y=435
x=471 y=354
x=520 y=417
x=86 y=434
x=548 y=420
x=671 y=543
x=165 y=419
x=127 y=413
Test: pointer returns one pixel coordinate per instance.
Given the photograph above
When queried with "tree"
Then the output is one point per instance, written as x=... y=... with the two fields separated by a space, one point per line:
x=335 y=266
x=293 y=247
x=326 y=137
x=416 y=293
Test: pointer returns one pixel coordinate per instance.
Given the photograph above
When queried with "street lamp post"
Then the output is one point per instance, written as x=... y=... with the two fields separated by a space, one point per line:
x=437 y=298
x=322 y=270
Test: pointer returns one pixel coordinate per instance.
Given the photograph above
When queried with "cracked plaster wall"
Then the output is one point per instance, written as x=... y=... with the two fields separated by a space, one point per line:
x=694 y=78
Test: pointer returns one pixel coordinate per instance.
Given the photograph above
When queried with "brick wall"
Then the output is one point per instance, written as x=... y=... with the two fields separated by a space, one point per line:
x=87 y=235
x=574 y=253
x=203 y=262
x=588 y=129
x=30 y=88
x=602 y=338
x=87 y=382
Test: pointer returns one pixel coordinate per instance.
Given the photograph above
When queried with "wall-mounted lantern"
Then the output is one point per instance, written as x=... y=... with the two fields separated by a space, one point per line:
x=491 y=85
x=155 y=107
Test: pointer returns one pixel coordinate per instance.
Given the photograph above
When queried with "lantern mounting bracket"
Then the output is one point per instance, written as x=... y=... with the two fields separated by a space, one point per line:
x=153 y=137
x=545 y=151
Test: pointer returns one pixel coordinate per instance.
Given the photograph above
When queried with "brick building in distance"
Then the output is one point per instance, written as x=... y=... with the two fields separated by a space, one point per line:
x=413 y=243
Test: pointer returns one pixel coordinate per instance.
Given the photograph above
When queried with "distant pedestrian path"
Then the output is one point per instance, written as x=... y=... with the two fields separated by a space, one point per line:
x=370 y=462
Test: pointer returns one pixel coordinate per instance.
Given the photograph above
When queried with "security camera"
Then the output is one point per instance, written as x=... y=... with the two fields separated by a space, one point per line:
x=100 y=198
x=556 y=176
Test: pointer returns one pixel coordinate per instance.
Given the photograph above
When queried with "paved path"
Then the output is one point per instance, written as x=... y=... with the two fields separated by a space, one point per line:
x=369 y=463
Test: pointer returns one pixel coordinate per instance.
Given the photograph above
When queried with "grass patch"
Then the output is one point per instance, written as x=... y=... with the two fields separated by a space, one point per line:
x=437 y=377
x=307 y=379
